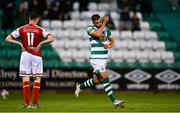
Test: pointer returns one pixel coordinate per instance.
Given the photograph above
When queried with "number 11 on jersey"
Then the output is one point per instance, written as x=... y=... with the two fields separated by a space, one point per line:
x=30 y=37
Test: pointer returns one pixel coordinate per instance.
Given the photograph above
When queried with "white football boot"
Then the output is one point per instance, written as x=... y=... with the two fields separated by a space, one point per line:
x=78 y=90
x=118 y=103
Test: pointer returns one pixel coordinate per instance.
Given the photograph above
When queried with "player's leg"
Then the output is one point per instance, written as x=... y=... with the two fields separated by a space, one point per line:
x=88 y=83
x=94 y=80
x=107 y=86
x=37 y=70
x=26 y=91
x=25 y=73
x=106 y=83
x=36 y=92
x=109 y=91
x=105 y=80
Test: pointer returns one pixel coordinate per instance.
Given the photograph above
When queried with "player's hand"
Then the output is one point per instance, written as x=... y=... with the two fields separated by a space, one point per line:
x=22 y=47
x=106 y=46
x=38 y=48
x=105 y=19
x=32 y=48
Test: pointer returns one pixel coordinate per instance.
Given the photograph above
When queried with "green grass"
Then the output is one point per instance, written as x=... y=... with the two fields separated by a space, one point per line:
x=96 y=102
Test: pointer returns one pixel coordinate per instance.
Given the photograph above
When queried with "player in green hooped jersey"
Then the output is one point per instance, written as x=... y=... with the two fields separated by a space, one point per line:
x=101 y=40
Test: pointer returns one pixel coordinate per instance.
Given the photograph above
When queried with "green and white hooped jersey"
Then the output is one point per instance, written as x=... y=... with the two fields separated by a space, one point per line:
x=97 y=47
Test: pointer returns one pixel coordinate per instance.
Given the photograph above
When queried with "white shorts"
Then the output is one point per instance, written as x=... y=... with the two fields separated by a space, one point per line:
x=30 y=65
x=98 y=64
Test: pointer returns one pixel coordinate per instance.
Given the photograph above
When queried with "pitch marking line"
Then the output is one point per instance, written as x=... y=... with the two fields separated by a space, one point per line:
x=89 y=112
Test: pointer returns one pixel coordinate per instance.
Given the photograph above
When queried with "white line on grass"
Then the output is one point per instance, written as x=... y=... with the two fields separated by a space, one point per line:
x=89 y=112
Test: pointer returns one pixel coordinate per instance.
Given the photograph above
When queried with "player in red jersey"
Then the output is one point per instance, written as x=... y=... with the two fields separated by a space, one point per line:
x=31 y=61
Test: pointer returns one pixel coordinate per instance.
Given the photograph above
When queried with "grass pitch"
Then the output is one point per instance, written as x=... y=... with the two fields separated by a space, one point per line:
x=90 y=101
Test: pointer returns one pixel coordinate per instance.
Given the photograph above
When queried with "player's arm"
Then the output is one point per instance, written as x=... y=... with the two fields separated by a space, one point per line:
x=10 y=39
x=110 y=44
x=48 y=40
x=98 y=33
x=111 y=40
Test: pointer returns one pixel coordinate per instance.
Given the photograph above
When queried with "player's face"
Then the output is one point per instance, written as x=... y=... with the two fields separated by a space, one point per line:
x=97 y=23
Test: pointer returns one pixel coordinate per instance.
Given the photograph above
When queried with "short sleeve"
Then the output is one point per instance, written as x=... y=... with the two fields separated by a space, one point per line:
x=45 y=33
x=89 y=30
x=109 y=34
x=15 y=33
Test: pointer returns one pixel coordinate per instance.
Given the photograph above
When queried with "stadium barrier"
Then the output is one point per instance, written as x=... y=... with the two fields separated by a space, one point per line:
x=121 y=79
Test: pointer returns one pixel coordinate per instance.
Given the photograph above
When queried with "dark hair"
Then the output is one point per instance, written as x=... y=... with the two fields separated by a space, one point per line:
x=95 y=17
x=33 y=15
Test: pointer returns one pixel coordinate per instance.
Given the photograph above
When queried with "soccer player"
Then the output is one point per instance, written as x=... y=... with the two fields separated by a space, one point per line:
x=101 y=40
x=31 y=61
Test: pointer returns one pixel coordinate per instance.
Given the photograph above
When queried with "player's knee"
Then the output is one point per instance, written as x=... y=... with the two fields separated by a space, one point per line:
x=25 y=79
x=104 y=75
x=96 y=81
x=37 y=79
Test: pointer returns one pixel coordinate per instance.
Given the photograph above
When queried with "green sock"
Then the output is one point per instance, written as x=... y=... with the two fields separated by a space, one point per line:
x=108 y=89
x=87 y=83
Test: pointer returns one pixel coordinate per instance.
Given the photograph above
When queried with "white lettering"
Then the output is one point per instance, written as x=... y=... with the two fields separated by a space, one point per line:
x=8 y=74
x=57 y=84
x=168 y=86
x=69 y=74
x=138 y=86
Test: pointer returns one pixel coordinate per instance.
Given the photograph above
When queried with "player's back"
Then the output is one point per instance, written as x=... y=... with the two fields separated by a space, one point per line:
x=31 y=35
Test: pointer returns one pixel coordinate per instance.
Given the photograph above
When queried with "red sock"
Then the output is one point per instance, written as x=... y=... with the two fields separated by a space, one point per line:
x=26 y=92
x=36 y=90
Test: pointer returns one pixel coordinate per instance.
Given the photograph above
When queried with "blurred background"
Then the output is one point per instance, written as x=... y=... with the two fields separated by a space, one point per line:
x=146 y=55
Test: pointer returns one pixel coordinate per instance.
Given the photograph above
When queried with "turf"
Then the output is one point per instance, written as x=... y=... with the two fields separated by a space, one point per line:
x=90 y=101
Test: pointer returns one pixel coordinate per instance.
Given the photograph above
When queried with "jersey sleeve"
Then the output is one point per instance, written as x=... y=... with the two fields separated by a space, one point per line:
x=90 y=29
x=45 y=33
x=15 y=34
x=109 y=34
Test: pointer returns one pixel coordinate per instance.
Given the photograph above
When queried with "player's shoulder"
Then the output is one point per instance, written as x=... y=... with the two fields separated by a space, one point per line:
x=36 y=26
x=39 y=27
x=23 y=26
x=89 y=26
